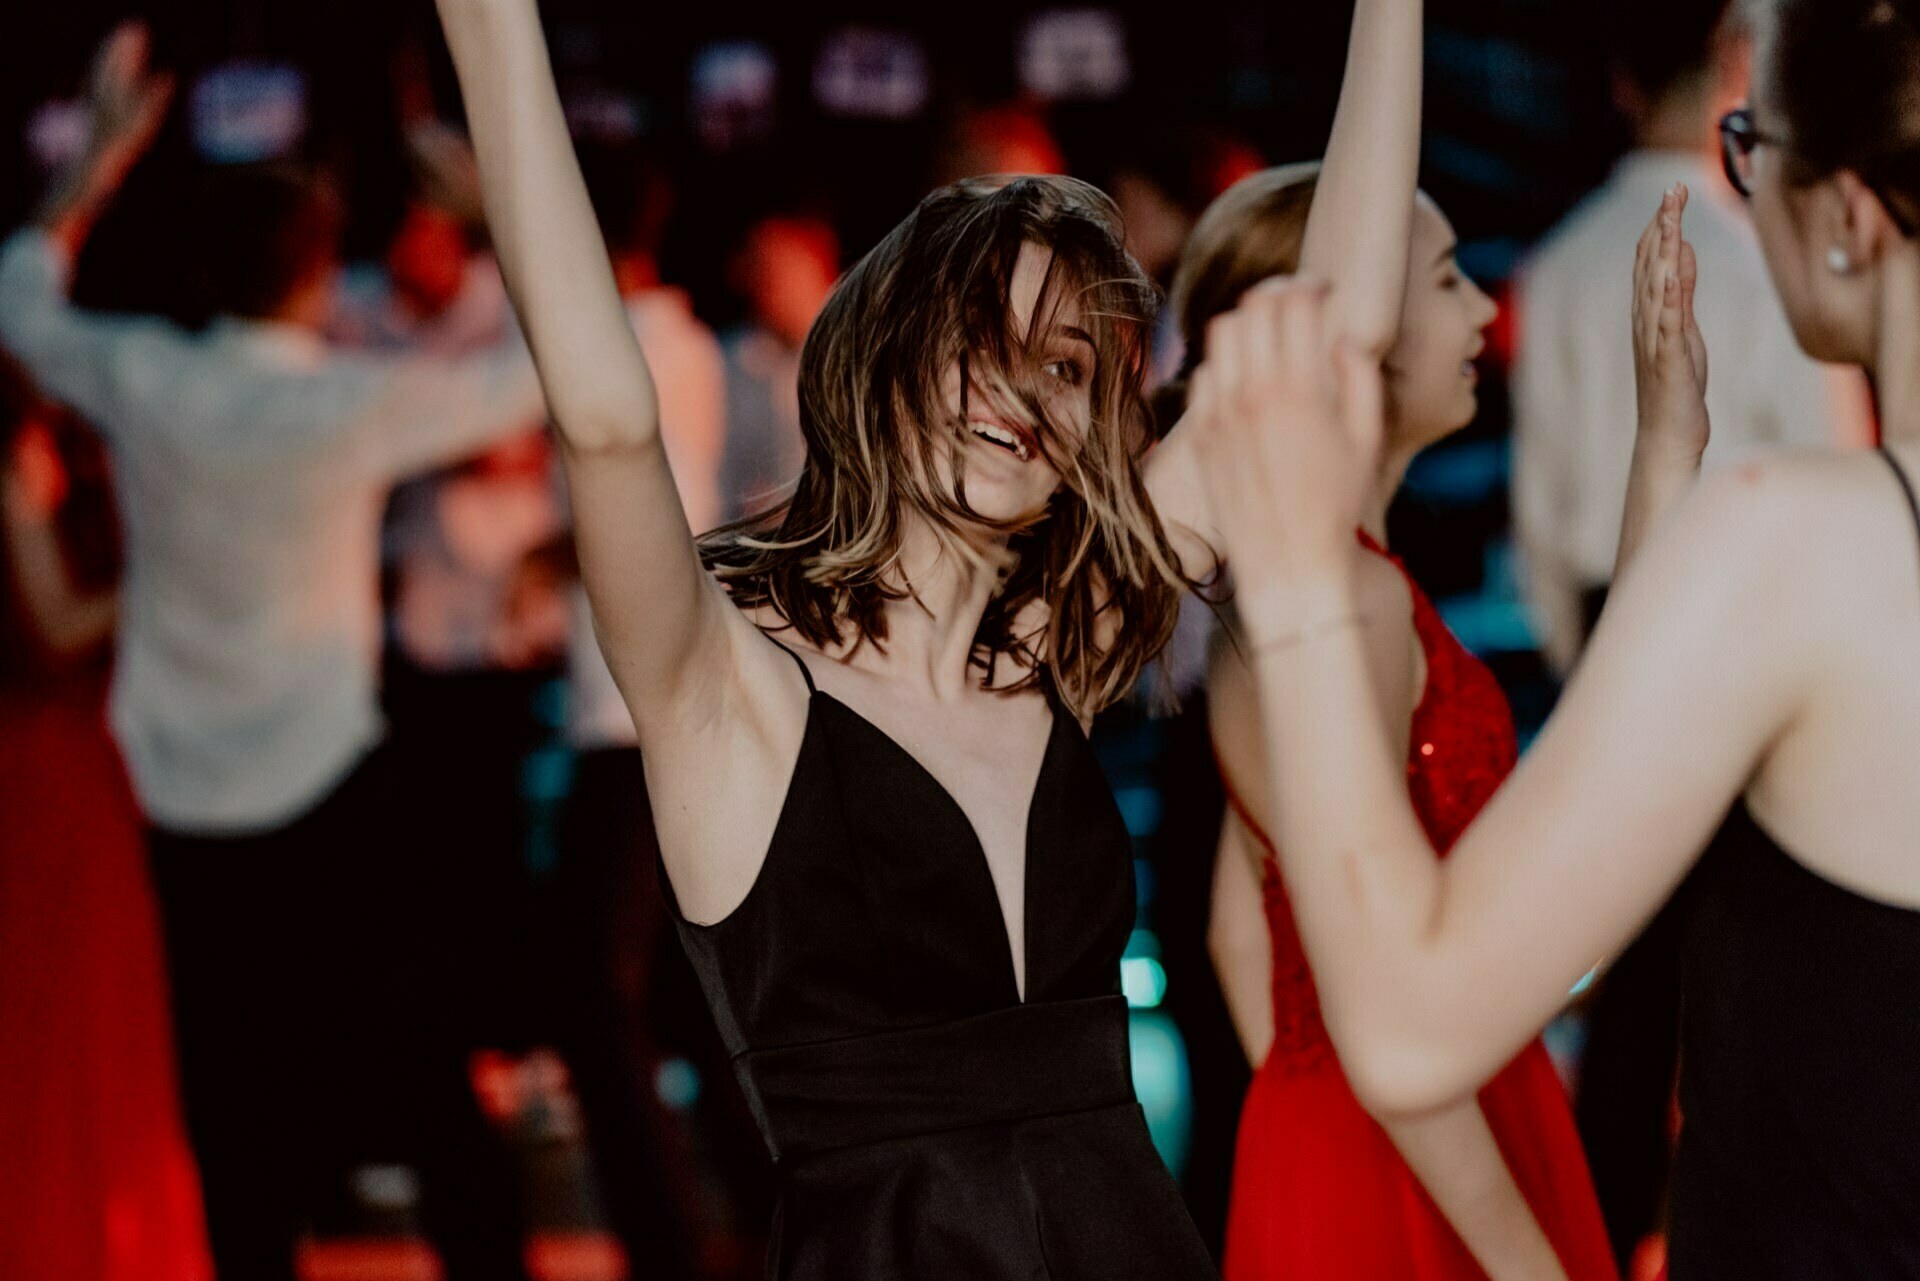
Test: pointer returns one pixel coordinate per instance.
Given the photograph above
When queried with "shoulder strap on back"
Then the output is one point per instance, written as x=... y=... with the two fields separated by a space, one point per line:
x=806 y=674
x=1906 y=485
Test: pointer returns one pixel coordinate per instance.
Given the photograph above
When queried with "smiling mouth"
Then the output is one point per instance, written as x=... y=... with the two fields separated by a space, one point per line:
x=1002 y=437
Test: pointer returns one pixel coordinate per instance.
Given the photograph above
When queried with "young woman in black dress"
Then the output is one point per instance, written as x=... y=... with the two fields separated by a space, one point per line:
x=899 y=872
x=1761 y=652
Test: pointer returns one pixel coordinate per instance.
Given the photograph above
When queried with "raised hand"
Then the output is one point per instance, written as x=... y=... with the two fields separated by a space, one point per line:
x=1669 y=354
x=1289 y=446
x=126 y=103
x=125 y=100
x=1670 y=373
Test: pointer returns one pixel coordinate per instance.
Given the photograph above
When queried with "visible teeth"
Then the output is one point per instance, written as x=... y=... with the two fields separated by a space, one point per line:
x=995 y=432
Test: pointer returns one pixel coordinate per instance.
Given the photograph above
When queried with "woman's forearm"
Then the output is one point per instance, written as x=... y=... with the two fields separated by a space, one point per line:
x=1364 y=882
x=1662 y=474
x=549 y=244
x=1455 y=1157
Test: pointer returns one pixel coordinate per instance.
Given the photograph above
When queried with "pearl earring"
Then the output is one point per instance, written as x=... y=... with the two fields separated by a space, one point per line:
x=1839 y=262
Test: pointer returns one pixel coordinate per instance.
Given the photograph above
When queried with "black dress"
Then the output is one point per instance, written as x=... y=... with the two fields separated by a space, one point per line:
x=925 y=1123
x=1800 y=1080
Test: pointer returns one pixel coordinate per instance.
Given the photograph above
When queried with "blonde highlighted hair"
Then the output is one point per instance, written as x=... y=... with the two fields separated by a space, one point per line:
x=1092 y=587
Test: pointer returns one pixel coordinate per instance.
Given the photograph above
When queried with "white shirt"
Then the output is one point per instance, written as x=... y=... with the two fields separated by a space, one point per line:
x=690 y=377
x=1574 y=400
x=250 y=467
x=456 y=539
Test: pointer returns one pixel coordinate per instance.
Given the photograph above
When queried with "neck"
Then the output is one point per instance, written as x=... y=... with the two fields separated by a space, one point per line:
x=1682 y=120
x=1393 y=470
x=930 y=634
x=1896 y=372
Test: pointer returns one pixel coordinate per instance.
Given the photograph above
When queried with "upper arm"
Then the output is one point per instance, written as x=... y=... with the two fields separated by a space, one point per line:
x=673 y=642
x=1360 y=228
x=1698 y=664
x=1239 y=940
x=669 y=634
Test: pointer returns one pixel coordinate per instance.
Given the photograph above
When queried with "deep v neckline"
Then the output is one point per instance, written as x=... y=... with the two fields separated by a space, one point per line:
x=1014 y=971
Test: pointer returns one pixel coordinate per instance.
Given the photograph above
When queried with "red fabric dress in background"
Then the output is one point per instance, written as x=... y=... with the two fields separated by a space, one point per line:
x=1318 y=1188
x=97 y=1182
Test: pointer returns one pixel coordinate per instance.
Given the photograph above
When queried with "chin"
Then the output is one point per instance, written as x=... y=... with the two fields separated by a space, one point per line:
x=1001 y=505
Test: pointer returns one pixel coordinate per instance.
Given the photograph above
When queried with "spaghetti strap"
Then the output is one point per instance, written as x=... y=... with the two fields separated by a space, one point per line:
x=806 y=674
x=1906 y=485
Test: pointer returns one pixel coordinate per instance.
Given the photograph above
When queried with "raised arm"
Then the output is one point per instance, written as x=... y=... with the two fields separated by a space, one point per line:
x=1358 y=236
x=661 y=620
x=75 y=357
x=1361 y=224
x=1432 y=975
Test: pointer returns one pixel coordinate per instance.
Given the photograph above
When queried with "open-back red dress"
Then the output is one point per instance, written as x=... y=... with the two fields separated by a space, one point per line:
x=1318 y=1188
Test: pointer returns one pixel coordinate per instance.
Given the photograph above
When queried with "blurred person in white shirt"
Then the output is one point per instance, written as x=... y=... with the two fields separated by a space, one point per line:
x=1677 y=64
x=251 y=462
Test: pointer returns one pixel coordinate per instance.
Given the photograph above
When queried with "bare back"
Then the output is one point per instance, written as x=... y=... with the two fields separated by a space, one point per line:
x=1837 y=788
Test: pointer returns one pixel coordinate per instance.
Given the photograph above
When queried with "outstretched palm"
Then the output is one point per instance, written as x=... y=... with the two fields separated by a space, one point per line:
x=126 y=101
x=1669 y=352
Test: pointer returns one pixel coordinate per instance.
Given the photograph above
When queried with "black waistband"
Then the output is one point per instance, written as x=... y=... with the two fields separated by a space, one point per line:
x=1014 y=1064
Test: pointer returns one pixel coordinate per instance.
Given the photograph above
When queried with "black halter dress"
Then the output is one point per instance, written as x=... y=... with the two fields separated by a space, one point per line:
x=1800 y=1071
x=924 y=1121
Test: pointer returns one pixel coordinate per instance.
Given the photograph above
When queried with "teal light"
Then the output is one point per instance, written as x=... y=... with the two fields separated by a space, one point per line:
x=1164 y=1085
x=677 y=1083
x=1143 y=981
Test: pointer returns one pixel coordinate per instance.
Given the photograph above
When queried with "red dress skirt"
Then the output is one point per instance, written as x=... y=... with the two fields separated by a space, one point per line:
x=1319 y=1191
x=96 y=1180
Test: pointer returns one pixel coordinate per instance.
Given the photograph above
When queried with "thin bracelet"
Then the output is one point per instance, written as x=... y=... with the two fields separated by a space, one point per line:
x=1312 y=631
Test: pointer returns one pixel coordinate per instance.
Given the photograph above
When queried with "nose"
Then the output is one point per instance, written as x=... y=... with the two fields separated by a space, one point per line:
x=1488 y=309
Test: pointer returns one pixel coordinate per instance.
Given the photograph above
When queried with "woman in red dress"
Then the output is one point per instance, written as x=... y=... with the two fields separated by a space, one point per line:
x=1494 y=1186
x=99 y=1183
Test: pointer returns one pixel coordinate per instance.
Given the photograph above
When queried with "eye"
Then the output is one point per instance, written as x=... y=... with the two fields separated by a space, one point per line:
x=1067 y=371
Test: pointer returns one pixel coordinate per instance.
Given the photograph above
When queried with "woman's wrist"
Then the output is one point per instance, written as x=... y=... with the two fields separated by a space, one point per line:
x=1285 y=613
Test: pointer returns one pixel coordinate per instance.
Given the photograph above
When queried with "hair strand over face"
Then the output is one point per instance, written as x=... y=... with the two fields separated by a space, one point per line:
x=875 y=415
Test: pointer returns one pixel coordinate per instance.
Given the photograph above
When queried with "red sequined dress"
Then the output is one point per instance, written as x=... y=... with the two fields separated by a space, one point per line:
x=1319 y=1191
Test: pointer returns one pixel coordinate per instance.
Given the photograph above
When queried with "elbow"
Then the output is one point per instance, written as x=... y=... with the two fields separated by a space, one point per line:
x=1374 y=338
x=1399 y=1077
x=605 y=429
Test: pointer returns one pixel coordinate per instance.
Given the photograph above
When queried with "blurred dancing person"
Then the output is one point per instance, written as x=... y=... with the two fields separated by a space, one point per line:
x=1494 y=1185
x=250 y=465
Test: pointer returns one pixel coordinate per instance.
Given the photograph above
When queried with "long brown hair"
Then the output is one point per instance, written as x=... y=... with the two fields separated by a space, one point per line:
x=1092 y=587
x=1253 y=232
